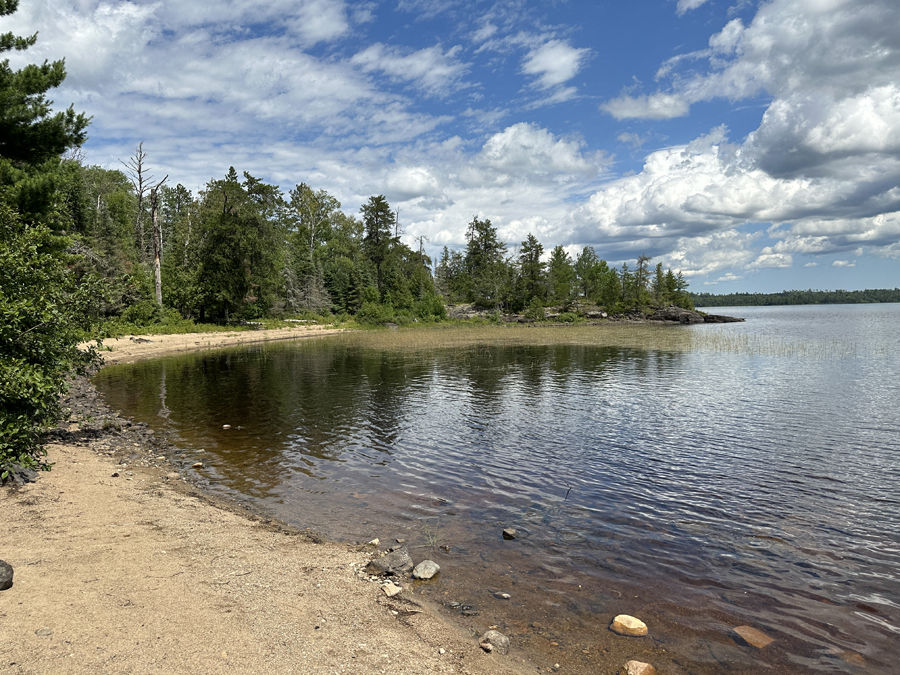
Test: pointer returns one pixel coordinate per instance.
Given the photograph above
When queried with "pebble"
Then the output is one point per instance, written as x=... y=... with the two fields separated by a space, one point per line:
x=226 y=426
x=6 y=575
x=502 y=596
x=425 y=570
x=197 y=465
x=754 y=637
x=43 y=632
x=496 y=640
x=628 y=625
x=391 y=589
x=375 y=542
x=509 y=533
x=637 y=668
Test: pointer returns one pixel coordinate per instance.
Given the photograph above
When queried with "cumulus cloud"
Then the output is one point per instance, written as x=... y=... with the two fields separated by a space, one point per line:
x=843 y=263
x=824 y=161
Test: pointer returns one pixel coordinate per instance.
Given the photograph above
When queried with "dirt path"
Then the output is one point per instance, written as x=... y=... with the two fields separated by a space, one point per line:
x=127 y=569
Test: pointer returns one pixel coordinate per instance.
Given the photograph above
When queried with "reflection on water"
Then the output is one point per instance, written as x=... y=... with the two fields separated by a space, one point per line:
x=703 y=489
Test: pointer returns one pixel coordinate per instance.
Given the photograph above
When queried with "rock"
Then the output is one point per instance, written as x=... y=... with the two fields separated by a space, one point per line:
x=637 y=668
x=678 y=314
x=425 y=570
x=754 y=637
x=502 y=596
x=226 y=426
x=6 y=575
x=628 y=625
x=197 y=465
x=115 y=474
x=391 y=589
x=394 y=563
x=173 y=475
x=509 y=533
x=486 y=646
x=497 y=640
x=719 y=318
x=43 y=632
x=375 y=542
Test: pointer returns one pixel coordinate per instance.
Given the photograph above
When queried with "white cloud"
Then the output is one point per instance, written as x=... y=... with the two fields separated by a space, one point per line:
x=655 y=107
x=772 y=260
x=684 y=6
x=843 y=263
x=631 y=139
x=433 y=70
x=811 y=264
x=554 y=63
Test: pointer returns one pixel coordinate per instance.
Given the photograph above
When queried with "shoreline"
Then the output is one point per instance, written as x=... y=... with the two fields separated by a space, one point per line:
x=120 y=566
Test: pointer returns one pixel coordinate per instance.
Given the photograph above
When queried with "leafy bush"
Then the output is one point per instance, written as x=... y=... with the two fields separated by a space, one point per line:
x=43 y=316
x=535 y=310
x=372 y=313
x=567 y=317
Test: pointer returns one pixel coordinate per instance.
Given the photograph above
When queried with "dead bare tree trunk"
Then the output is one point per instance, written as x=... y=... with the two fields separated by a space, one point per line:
x=157 y=240
x=141 y=182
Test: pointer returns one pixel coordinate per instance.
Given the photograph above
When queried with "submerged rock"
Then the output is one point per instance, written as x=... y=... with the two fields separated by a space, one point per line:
x=425 y=570
x=754 y=637
x=397 y=562
x=497 y=642
x=6 y=575
x=628 y=625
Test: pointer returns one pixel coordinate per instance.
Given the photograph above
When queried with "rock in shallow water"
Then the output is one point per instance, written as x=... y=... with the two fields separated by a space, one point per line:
x=638 y=668
x=6 y=575
x=628 y=625
x=425 y=570
x=754 y=637
x=498 y=642
x=394 y=563
x=509 y=533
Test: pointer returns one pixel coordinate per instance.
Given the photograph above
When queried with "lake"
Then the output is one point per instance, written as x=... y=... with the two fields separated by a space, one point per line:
x=698 y=477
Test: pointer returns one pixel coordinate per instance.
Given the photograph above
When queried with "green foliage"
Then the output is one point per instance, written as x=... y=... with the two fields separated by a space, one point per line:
x=535 y=310
x=567 y=317
x=43 y=313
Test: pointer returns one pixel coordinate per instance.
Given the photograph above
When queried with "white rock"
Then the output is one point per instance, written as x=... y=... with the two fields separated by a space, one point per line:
x=628 y=625
x=391 y=589
x=638 y=668
x=425 y=569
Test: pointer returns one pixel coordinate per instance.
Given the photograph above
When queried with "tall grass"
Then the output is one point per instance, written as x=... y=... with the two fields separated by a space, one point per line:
x=629 y=336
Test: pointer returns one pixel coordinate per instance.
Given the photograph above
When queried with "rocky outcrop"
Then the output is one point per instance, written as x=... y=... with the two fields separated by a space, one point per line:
x=720 y=318
x=676 y=315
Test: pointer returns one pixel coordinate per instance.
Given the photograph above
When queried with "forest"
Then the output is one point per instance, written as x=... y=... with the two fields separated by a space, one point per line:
x=809 y=297
x=243 y=250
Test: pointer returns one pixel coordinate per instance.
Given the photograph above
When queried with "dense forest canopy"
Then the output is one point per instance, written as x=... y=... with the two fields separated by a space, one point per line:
x=809 y=297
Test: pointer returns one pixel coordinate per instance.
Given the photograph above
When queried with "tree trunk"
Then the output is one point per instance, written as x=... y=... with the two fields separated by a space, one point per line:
x=157 y=246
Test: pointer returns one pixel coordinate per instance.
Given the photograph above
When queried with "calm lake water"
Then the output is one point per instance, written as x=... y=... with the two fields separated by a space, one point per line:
x=701 y=477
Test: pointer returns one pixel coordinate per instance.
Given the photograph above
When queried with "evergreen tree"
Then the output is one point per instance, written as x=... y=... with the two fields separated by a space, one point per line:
x=484 y=261
x=531 y=271
x=379 y=222
x=561 y=277
x=44 y=305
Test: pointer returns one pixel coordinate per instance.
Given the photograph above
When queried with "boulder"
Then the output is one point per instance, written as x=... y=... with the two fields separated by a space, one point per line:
x=498 y=642
x=628 y=625
x=637 y=668
x=425 y=569
x=6 y=575
x=397 y=562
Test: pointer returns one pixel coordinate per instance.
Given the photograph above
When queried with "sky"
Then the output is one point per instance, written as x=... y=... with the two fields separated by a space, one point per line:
x=753 y=146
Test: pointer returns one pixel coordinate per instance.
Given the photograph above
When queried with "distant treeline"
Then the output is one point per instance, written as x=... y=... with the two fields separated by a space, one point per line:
x=808 y=297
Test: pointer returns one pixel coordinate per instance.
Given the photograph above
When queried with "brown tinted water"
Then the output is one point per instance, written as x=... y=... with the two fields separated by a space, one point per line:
x=700 y=481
